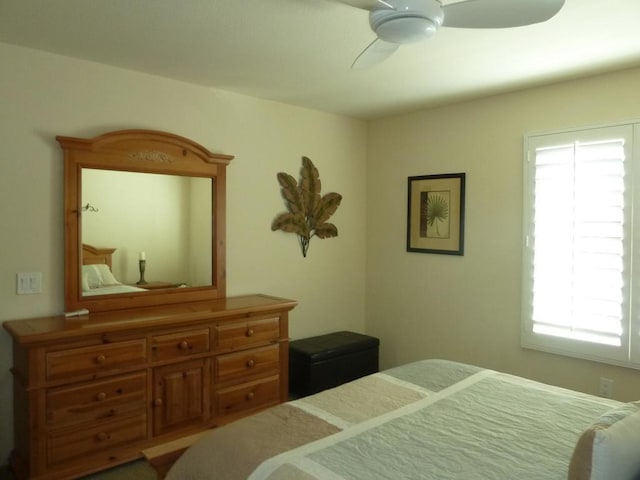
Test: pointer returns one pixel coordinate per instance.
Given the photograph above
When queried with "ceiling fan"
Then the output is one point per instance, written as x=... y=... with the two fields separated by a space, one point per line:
x=398 y=22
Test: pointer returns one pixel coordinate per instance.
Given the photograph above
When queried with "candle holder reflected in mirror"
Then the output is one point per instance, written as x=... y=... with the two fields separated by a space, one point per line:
x=142 y=265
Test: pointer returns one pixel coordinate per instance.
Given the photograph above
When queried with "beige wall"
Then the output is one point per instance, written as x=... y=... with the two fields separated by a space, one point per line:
x=44 y=95
x=468 y=308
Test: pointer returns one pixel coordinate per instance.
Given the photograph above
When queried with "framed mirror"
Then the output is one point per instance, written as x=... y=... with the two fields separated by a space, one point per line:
x=144 y=221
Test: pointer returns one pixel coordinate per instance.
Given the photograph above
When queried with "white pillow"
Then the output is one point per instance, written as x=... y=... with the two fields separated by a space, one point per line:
x=92 y=274
x=610 y=448
x=106 y=277
x=98 y=275
x=85 y=281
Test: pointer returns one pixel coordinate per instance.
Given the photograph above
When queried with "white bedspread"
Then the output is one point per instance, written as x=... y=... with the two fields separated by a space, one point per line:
x=488 y=426
x=431 y=420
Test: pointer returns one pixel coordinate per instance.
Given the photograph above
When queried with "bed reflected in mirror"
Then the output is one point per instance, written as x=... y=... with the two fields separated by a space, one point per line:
x=164 y=219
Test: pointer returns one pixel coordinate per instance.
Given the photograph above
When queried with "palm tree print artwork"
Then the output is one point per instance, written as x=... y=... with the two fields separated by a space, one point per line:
x=434 y=214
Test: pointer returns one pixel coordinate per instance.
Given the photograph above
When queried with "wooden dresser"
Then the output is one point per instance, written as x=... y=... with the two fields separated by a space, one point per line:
x=91 y=392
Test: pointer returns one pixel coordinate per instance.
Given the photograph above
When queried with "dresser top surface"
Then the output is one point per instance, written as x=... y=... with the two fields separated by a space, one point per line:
x=38 y=329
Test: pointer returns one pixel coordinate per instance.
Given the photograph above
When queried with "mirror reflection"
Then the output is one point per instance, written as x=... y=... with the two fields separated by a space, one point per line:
x=165 y=220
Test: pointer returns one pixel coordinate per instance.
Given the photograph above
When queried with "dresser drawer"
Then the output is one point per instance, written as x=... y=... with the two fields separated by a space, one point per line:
x=180 y=344
x=238 y=335
x=69 y=444
x=247 y=362
x=247 y=396
x=90 y=401
x=95 y=358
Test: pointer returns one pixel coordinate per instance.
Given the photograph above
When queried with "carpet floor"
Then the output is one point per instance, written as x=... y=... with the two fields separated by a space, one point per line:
x=138 y=470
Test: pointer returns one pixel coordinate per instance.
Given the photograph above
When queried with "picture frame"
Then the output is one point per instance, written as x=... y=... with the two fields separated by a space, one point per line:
x=435 y=213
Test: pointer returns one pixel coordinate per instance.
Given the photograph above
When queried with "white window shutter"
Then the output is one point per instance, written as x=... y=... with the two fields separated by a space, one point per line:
x=577 y=260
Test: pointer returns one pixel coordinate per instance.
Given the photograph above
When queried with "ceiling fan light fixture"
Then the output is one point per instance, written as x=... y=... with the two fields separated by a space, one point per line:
x=408 y=21
x=406 y=30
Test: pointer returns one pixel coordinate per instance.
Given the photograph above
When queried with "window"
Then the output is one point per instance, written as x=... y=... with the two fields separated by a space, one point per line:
x=579 y=274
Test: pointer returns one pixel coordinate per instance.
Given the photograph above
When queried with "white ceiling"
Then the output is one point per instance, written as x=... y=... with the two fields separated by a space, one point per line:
x=300 y=51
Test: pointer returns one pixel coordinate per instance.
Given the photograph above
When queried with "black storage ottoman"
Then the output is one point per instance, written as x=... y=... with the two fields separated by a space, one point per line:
x=326 y=361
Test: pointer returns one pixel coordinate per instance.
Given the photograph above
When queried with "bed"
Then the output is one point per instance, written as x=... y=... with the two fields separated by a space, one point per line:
x=432 y=419
x=97 y=277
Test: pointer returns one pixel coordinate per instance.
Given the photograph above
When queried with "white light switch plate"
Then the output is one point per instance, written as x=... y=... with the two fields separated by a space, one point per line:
x=29 y=283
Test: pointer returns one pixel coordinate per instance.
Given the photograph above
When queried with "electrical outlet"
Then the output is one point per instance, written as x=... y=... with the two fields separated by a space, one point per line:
x=606 y=387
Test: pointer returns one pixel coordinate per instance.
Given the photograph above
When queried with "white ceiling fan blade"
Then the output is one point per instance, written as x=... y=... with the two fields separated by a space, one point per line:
x=499 y=13
x=368 y=4
x=376 y=52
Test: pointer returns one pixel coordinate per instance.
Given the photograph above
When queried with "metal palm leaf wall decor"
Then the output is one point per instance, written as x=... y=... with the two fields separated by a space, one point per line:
x=307 y=211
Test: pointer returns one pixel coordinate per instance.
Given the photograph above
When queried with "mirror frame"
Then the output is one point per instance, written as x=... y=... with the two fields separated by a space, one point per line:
x=146 y=151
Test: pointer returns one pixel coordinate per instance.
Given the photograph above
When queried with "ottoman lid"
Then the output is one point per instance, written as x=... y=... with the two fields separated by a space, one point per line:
x=332 y=345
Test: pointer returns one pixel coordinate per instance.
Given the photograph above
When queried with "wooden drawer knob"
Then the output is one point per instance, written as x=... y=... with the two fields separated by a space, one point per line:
x=157 y=402
x=250 y=395
x=101 y=396
x=102 y=436
x=250 y=363
x=100 y=359
x=183 y=345
x=249 y=332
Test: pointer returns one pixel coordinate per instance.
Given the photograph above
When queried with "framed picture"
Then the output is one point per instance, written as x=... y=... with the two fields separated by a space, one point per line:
x=435 y=220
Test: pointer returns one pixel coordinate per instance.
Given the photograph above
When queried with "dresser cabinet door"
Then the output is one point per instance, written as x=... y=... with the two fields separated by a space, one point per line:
x=179 y=396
